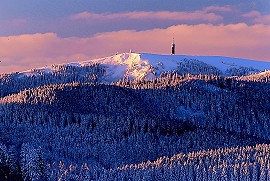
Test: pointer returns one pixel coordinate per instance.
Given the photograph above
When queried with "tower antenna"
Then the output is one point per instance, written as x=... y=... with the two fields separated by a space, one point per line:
x=173 y=46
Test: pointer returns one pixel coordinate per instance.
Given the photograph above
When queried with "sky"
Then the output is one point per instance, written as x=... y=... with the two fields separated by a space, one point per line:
x=41 y=33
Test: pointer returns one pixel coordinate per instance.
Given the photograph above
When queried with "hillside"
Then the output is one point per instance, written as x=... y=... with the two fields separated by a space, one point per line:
x=128 y=66
x=258 y=77
x=140 y=66
x=139 y=117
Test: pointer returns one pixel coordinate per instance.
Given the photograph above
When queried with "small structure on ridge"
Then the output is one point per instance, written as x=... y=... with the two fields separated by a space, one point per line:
x=173 y=47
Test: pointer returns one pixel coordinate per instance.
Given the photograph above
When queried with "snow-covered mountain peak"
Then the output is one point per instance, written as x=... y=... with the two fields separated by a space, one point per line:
x=125 y=65
x=148 y=66
x=140 y=66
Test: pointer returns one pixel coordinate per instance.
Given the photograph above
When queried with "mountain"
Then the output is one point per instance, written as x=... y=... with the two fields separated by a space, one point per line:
x=141 y=66
x=137 y=117
x=129 y=66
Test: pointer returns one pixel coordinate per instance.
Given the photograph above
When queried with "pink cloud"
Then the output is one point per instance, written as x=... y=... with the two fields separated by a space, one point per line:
x=160 y=15
x=237 y=40
x=222 y=9
x=34 y=50
x=252 y=14
x=12 y=25
x=264 y=19
x=257 y=17
x=17 y=22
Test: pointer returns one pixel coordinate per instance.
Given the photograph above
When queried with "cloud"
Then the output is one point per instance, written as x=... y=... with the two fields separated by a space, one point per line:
x=251 y=14
x=16 y=22
x=257 y=18
x=143 y=15
x=237 y=40
x=8 y=26
x=263 y=19
x=35 y=50
x=223 y=9
x=23 y=52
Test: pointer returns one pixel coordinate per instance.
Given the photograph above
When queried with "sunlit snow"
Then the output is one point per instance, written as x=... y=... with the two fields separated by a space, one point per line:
x=144 y=65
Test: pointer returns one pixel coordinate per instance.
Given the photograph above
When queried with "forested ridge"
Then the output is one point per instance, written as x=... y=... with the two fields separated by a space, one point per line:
x=68 y=125
x=15 y=82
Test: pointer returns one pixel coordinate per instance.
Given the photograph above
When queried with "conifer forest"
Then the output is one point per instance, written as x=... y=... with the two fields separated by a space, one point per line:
x=192 y=123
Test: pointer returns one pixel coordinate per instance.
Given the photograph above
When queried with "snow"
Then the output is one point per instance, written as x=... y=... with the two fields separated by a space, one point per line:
x=257 y=76
x=140 y=66
x=75 y=64
x=144 y=65
x=222 y=63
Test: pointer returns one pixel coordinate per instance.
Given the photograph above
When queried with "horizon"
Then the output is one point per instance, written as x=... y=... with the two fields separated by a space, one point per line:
x=144 y=56
x=44 y=33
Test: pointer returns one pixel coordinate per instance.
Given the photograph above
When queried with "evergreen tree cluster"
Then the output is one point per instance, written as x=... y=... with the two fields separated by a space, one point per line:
x=180 y=126
x=57 y=74
x=237 y=163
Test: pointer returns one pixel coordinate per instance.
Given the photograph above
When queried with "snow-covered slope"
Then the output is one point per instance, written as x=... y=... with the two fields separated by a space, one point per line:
x=258 y=77
x=140 y=66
